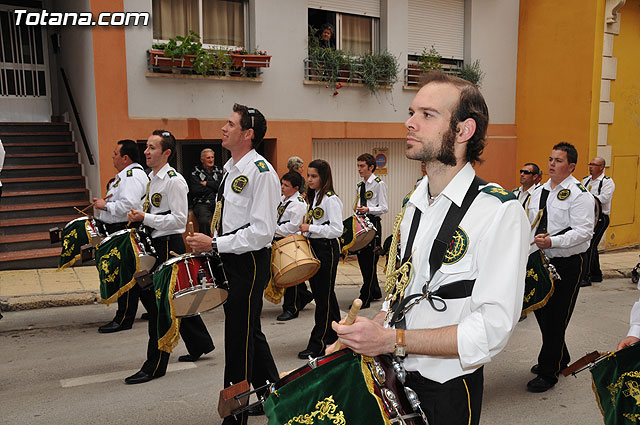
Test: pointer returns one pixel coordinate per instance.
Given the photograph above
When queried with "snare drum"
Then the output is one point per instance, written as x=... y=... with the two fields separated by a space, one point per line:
x=144 y=250
x=343 y=387
x=292 y=261
x=201 y=284
x=365 y=232
x=93 y=230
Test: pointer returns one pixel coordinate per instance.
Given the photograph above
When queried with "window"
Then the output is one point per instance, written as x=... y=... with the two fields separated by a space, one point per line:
x=354 y=34
x=218 y=22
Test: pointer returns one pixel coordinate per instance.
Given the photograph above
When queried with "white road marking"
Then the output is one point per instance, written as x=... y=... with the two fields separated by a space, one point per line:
x=114 y=376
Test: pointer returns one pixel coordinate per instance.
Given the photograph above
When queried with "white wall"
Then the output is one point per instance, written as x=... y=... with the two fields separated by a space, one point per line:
x=76 y=57
x=281 y=28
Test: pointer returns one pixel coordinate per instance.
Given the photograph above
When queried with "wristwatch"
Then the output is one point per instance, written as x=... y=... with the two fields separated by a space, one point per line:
x=400 y=349
x=214 y=244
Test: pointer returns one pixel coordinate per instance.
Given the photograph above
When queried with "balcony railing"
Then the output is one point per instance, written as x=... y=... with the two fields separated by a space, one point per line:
x=332 y=74
x=413 y=73
x=158 y=64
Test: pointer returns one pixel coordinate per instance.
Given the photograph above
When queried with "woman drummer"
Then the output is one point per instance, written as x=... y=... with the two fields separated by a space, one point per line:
x=324 y=229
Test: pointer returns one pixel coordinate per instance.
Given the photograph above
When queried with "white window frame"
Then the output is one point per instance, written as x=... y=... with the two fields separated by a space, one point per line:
x=245 y=12
x=375 y=31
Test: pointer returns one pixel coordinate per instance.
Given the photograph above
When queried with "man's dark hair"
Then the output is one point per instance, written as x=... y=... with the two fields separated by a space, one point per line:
x=167 y=141
x=369 y=159
x=572 y=153
x=471 y=104
x=252 y=118
x=294 y=178
x=130 y=148
x=536 y=170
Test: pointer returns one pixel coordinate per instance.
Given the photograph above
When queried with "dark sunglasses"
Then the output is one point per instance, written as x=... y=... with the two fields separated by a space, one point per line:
x=527 y=172
x=594 y=165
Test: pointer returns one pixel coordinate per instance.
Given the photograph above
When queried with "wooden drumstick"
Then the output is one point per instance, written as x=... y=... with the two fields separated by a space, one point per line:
x=92 y=204
x=544 y=236
x=81 y=211
x=351 y=317
x=190 y=228
x=174 y=254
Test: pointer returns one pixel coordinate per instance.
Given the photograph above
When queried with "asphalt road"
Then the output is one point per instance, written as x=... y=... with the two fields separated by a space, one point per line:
x=55 y=368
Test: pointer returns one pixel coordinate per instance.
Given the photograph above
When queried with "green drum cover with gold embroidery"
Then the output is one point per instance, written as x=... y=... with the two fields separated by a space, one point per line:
x=73 y=237
x=116 y=263
x=616 y=384
x=164 y=282
x=538 y=286
x=333 y=393
x=348 y=234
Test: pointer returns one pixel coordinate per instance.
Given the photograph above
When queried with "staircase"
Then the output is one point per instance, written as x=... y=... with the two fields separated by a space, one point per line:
x=42 y=182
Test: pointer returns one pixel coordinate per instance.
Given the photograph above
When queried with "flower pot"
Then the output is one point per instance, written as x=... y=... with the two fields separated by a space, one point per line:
x=158 y=58
x=250 y=61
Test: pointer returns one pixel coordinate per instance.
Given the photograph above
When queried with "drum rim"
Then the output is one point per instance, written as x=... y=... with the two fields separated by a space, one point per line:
x=84 y=218
x=114 y=234
x=185 y=256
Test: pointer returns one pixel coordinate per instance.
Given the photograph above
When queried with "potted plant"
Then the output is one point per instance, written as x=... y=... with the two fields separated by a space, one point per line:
x=178 y=52
x=242 y=59
x=473 y=73
x=429 y=61
x=212 y=62
x=378 y=69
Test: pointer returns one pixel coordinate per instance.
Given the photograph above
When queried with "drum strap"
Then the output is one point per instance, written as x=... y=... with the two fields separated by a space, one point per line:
x=460 y=289
x=363 y=198
x=233 y=232
x=542 y=225
x=280 y=214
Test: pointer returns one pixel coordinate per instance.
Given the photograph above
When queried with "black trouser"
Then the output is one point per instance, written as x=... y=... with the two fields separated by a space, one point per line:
x=246 y=351
x=127 y=302
x=322 y=287
x=296 y=297
x=554 y=317
x=592 y=266
x=192 y=329
x=203 y=213
x=455 y=402
x=368 y=262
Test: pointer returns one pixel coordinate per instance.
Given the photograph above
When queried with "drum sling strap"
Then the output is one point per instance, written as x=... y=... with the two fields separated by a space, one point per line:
x=280 y=214
x=363 y=197
x=459 y=289
x=542 y=224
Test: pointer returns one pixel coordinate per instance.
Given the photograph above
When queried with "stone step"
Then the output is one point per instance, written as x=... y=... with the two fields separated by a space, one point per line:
x=46 y=170
x=38 y=147
x=45 y=257
x=33 y=127
x=45 y=195
x=33 y=183
x=38 y=159
x=41 y=209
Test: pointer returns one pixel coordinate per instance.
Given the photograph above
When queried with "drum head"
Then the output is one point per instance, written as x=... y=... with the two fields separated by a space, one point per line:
x=198 y=299
x=362 y=240
x=147 y=262
x=296 y=273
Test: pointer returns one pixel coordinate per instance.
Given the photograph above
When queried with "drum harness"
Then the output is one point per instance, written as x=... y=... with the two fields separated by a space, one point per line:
x=454 y=290
x=216 y=221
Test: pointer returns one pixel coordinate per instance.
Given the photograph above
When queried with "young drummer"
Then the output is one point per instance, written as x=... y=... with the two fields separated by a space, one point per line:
x=323 y=231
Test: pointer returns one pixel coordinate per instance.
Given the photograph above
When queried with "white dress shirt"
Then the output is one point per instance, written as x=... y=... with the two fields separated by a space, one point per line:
x=251 y=195
x=326 y=221
x=167 y=192
x=604 y=193
x=127 y=191
x=523 y=195
x=496 y=257
x=376 y=192
x=292 y=216
x=575 y=211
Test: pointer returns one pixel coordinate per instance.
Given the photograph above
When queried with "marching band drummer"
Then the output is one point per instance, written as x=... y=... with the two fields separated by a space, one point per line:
x=165 y=212
x=371 y=194
x=124 y=193
x=244 y=225
x=291 y=214
x=325 y=209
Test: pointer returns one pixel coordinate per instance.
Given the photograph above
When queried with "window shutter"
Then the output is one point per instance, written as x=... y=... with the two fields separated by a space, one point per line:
x=355 y=7
x=439 y=23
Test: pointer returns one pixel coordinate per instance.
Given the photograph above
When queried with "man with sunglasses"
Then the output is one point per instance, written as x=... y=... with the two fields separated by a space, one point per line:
x=601 y=187
x=243 y=226
x=530 y=176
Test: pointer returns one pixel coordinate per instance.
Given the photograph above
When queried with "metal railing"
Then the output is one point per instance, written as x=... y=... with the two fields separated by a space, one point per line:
x=184 y=66
x=77 y=117
x=323 y=73
x=413 y=73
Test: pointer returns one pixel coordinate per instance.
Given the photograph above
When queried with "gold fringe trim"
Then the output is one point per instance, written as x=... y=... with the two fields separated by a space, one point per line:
x=217 y=215
x=170 y=340
x=273 y=293
x=77 y=258
x=368 y=379
x=544 y=301
x=132 y=282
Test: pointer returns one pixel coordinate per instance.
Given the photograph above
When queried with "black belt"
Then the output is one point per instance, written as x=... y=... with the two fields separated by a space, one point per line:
x=166 y=238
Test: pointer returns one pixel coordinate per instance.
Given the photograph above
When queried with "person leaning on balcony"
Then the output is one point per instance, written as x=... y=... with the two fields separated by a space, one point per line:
x=327 y=36
x=601 y=187
x=124 y=192
x=204 y=182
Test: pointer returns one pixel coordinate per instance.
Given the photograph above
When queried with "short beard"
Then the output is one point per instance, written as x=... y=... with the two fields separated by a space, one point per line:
x=445 y=154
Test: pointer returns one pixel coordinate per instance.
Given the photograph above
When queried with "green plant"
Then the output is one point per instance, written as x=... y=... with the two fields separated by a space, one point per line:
x=378 y=69
x=328 y=64
x=179 y=46
x=217 y=60
x=473 y=73
x=430 y=60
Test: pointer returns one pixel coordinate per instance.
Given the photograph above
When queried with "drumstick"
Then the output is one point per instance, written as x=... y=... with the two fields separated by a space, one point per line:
x=351 y=317
x=91 y=205
x=174 y=254
x=190 y=233
x=544 y=236
x=81 y=211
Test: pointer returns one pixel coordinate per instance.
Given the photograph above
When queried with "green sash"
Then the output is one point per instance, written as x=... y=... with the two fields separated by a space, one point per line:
x=164 y=285
x=538 y=285
x=616 y=384
x=337 y=392
x=117 y=261
x=73 y=237
x=348 y=237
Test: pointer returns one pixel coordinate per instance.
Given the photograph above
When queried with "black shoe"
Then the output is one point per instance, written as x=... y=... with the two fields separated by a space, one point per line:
x=188 y=358
x=585 y=283
x=144 y=316
x=306 y=353
x=113 y=327
x=287 y=315
x=535 y=369
x=257 y=410
x=139 y=377
x=596 y=279
x=539 y=385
